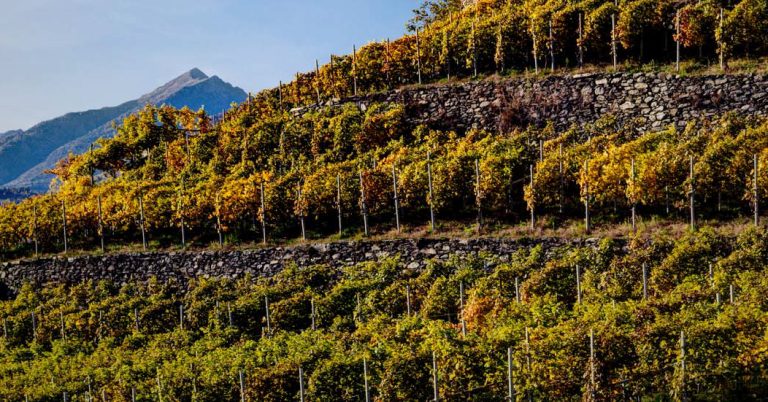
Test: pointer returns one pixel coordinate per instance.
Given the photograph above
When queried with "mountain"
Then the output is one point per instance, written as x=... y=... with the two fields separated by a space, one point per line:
x=25 y=155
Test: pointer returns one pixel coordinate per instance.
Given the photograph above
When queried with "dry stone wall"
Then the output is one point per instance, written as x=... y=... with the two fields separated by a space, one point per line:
x=181 y=266
x=650 y=101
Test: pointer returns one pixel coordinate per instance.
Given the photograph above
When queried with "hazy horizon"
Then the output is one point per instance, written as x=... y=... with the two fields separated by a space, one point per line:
x=87 y=54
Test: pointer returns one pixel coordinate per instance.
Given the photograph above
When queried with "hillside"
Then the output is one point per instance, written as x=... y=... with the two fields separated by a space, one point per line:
x=26 y=155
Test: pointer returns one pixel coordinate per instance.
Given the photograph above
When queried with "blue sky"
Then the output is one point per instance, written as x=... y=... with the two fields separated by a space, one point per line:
x=59 y=56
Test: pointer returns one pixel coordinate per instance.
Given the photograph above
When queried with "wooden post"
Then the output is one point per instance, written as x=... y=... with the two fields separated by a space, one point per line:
x=474 y=47
x=756 y=195
x=386 y=63
x=242 y=387
x=408 y=299
x=517 y=289
x=5 y=328
x=510 y=386
x=397 y=202
x=34 y=326
x=682 y=365
x=461 y=310
x=613 y=41
x=581 y=41
x=365 y=380
x=133 y=394
x=587 y=226
x=301 y=384
x=634 y=204
x=317 y=81
x=229 y=313
x=431 y=194
x=478 y=196
x=181 y=216
x=266 y=307
x=418 y=55
x=101 y=222
x=578 y=284
x=298 y=88
x=561 y=195
x=551 y=48
x=263 y=216
x=592 y=384
x=159 y=387
x=730 y=293
x=721 y=45
x=136 y=318
x=141 y=221
x=691 y=194
x=533 y=209
x=354 y=70
x=314 y=313
x=34 y=229
x=645 y=282
x=301 y=214
x=218 y=220
x=362 y=203
x=434 y=378
x=535 y=53
x=63 y=330
x=280 y=95
x=181 y=317
x=338 y=200
x=677 y=41
x=64 y=220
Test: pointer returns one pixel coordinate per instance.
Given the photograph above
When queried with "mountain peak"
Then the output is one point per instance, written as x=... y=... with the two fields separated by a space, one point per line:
x=191 y=77
x=196 y=73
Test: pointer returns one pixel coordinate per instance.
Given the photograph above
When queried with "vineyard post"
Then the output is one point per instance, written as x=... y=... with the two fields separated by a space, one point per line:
x=298 y=88
x=90 y=164
x=317 y=81
x=755 y=193
x=266 y=307
x=592 y=384
x=730 y=293
x=354 y=70
x=301 y=384
x=181 y=215
x=587 y=226
x=365 y=380
x=517 y=289
x=551 y=48
x=431 y=196
x=358 y=308
x=34 y=326
x=535 y=52
x=101 y=222
x=510 y=387
x=159 y=387
x=434 y=378
x=5 y=328
x=581 y=41
x=136 y=318
x=461 y=310
x=280 y=95
x=229 y=313
x=218 y=219
x=338 y=200
x=541 y=150
x=133 y=394
x=562 y=179
x=61 y=320
x=242 y=387
x=141 y=220
x=478 y=196
x=528 y=359
x=408 y=299
x=181 y=316
x=263 y=215
x=313 y=313
x=386 y=63
x=100 y=328
x=613 y=39
x=645 y=281
x=64 y=396
x=721 y=45
x=677 y=41
x=103 y=395
x=474 y=45
x=682 y=364
x=533 y=208
x=634 y=204
x=64 y=220
x=397 y=202
x=692 y=193
x=90 y=390
x=578 y=284
x=362 y=203
x=34 y=229
x=301 y=213
x=418 y=55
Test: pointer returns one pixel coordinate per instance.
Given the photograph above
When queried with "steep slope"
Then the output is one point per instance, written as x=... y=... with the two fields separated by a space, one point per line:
x=25 y=155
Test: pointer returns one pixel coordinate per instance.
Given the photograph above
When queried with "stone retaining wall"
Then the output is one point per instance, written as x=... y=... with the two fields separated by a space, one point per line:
x=652 y=101
x=181 y=266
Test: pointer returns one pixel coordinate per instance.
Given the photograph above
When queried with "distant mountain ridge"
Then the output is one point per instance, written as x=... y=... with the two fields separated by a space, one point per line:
x=25 y=155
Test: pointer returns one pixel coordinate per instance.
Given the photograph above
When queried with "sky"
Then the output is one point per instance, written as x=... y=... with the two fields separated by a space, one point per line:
x=60 y=56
